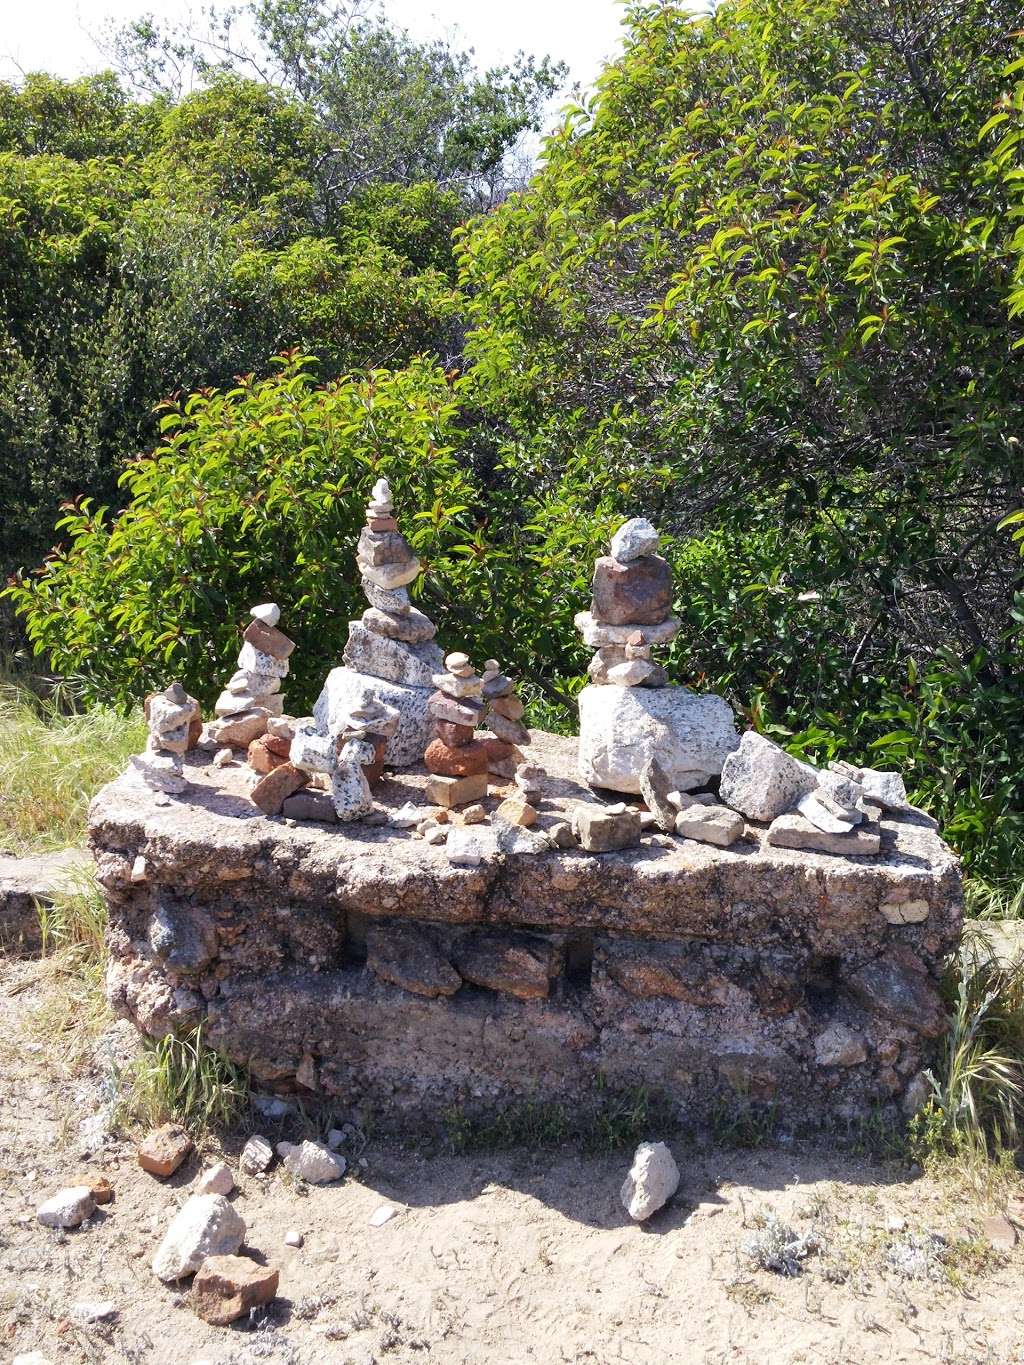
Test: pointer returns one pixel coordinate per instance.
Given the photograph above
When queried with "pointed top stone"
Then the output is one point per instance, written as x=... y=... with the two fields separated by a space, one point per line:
x=267 y=612
x=382 y=491
x=633 y=539
x=176 y=693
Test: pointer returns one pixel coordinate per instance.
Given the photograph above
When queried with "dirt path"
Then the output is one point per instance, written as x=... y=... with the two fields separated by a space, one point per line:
x=496 y=1257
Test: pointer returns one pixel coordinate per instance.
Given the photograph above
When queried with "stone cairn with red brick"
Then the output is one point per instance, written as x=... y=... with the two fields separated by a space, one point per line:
x=631 y=609
x=253 y=694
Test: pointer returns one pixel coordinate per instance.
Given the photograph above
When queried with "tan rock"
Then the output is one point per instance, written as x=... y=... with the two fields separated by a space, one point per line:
x=227 y=1287
x=456 y=791
x=271 y=792
x=794 y=831
x=462 y=761
x=516 y=810
x=520 y=966
x=710 y=825
x=600 y=830
x=510 y=707
x=98 y=1185
x=163 y=1150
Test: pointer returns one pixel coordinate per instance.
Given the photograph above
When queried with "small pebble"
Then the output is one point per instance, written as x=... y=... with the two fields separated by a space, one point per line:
x=293 y=1238
x=382 y=1215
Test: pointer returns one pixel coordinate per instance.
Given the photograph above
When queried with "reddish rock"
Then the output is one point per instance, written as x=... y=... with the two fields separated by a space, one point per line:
x=268 y=639
x=509 y=706
x=227 y=1287
x=637 y=593
x=271 y=791
x=98 y=1185
x=452 y=734
x=405 y=956
x=195 y=730
x=375 y=771
x=267 y=753
x=451 y=762
x=163 y=1150
x=381 y=524
x=519 y=966
x=462 y=712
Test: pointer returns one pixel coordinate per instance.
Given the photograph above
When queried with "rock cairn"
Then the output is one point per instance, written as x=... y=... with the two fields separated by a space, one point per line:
x=503 y=717
x=171 y=717
x=253 y=693
x=353 y=759
x=390 y=653
x=631 y=609
x=392 y=640
x=458 y=760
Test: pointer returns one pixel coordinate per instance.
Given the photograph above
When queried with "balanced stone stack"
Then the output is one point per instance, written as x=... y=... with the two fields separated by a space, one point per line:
x=458 y=760
x=628 y=711
x=390 y=650
x=253 y=694
x=631 y=609
x=504 y=718
x=171 y=718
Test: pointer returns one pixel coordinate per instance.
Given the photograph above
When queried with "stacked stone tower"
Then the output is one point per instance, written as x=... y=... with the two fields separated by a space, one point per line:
x=253 y=693
x=390 y=654
x=629 y=712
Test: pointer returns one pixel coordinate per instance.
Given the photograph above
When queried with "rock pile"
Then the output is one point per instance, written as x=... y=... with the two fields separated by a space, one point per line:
x=390 y=652
x=628 y=712
x=631 y=609
x=253 y=693
x=458 y=760
x=172 y=717
x=353 y=759
x=504 y=719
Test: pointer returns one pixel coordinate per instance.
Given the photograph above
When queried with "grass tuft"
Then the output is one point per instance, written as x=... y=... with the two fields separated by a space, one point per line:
x=185 y=1080
x=51 y=764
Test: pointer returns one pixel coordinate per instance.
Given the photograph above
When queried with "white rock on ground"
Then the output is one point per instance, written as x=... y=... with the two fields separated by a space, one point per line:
x=312 y=1162
x=95 y=1311
x=761 y=781
x=257 y=1155
x=68 y=1208
x=31 y=1358
x=653 y=1179
x=217 y=1180
x=812 y=808
x=207 y=1225
x=620 y=727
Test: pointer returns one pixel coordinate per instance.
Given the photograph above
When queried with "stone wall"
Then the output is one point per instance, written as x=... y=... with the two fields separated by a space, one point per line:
x=358 y=962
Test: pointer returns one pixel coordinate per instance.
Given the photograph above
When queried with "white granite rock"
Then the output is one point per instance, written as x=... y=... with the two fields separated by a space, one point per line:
x=793 y=831
x=395 y=600
x=812 y=808
x=634 y=538
x=760 y=780
x=231 y=703
x=217 y=1179
x=838 y=1045
x=253 y=660
x=206 y=1225
x=620 y=728
x=312 y=751
x=411 y=626
x=346 y=689
x=68 y=1208
x=267 y=612
x=710 y=825
x=162 y=772
x=599 y=636
x=887 y=789
x=391 y=660
x=652 y=1181
x=311 y=1162
x=257 y=1155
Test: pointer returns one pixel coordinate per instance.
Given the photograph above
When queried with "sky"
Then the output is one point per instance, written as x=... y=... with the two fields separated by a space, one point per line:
x=58 y=35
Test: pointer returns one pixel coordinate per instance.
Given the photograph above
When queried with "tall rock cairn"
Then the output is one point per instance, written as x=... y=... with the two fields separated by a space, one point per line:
x=253 y=693
x=392 y=641
x=631 y=610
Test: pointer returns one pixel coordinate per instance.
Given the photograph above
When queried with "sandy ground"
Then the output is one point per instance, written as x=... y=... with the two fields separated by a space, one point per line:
x=494 y=1257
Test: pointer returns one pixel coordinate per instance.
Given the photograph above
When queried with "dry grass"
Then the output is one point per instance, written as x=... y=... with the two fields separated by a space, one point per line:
x=51 y=764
